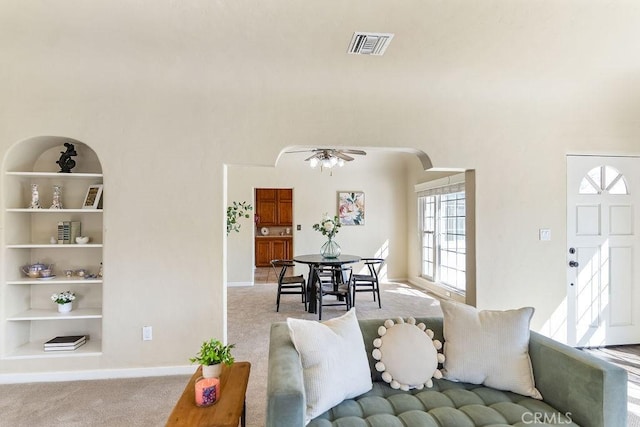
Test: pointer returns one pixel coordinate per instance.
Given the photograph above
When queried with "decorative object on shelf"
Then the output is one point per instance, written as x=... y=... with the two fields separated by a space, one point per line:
x=64 y=301
x=68 y=274
x=234 y=213
x=57 y=197
x=207 y=391
x=65 y=162
x=35 y=197
x=100 y=271
x=81 y=272
x=264 y=231
x=68 y=231
x=53 y=240
x=82 y=240
x=211 y=355
x=329 y=227
x=351 y=207
x=37 y=270
x=93 y=197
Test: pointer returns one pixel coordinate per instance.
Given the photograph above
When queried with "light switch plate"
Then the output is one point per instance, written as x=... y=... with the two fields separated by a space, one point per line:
x=545 y=234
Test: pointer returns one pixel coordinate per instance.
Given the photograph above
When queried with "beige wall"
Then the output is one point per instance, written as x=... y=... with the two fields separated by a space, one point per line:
x=167 y=93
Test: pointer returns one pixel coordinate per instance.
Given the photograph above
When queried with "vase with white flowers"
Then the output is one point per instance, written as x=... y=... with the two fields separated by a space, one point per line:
x=329 y=227
x=64 y=301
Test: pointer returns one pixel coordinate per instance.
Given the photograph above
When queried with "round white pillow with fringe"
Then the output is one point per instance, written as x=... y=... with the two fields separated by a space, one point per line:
x=407 y=354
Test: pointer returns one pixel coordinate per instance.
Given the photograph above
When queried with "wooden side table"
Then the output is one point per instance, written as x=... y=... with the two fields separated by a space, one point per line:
x=226 y=412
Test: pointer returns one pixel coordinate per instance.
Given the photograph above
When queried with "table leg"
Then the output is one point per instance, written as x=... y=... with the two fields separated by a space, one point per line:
x=311 y=288
x=243 y=417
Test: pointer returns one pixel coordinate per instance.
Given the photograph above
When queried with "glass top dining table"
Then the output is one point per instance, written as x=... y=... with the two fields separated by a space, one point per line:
x=315 y=261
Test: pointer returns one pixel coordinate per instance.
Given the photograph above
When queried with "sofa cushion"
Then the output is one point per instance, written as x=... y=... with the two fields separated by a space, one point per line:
x=447 y=404
x=488 y=347
x=334 y=362
x=407 y=356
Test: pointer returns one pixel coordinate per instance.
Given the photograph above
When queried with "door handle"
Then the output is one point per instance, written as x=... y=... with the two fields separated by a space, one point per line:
x=573 y=264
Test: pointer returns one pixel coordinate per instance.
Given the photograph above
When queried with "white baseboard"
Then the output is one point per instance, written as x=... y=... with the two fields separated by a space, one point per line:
x=238 y=284
x=98 y=374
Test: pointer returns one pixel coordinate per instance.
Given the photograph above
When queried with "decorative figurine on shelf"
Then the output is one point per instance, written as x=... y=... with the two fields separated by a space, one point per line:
x=100 y=271
x=57 y=197
x=66 y=162
x=35 y=197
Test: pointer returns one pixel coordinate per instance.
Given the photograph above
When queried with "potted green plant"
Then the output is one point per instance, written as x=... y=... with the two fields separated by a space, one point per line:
x=211 y=355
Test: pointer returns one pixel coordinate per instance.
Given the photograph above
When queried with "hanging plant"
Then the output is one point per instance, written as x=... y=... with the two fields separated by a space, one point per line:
x=234 y=213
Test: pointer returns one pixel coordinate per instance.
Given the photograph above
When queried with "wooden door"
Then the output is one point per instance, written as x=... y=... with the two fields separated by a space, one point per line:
x=285 y=206
x=263 y=252
x=267 y=206
x=279 y=249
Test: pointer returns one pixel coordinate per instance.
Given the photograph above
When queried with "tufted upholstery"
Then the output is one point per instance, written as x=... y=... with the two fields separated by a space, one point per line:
x=447 y=404
x=591 y=391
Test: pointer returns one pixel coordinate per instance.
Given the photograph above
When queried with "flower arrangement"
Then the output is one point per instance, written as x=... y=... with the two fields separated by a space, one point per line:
x=328 y=226
x=63 y=298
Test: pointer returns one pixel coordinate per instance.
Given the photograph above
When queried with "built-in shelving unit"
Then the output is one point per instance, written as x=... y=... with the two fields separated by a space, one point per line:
x=29 y=317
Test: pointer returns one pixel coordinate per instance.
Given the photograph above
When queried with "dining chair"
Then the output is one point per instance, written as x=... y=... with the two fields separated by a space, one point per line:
x=330 y=281
x=295 y=285
x=368 y=282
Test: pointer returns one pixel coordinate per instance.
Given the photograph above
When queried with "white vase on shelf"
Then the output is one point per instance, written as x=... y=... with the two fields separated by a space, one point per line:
x=65 y=308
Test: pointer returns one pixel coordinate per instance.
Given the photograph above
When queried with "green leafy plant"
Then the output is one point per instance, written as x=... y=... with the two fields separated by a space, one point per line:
x=213 y=352
x=234 y=213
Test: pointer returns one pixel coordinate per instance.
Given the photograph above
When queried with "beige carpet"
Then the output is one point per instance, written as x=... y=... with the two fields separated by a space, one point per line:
x=149 y=401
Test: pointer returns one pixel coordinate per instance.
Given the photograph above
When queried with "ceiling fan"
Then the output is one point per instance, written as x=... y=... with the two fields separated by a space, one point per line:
x=329 y=157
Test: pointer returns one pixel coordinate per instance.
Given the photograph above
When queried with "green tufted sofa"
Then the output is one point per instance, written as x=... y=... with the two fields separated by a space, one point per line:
x=578 y=389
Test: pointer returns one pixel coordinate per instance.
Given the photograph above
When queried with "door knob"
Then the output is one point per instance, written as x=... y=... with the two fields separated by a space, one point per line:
x=573 y=264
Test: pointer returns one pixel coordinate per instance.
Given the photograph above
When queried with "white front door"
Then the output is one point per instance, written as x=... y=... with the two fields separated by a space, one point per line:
x=603 y=253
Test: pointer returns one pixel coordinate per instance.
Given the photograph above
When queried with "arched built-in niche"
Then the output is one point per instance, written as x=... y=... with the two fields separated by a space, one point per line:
x=29 y=317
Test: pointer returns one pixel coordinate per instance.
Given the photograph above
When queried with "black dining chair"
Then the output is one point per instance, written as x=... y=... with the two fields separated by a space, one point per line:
x=295 y=285
x=330 y=281
x=369 y=281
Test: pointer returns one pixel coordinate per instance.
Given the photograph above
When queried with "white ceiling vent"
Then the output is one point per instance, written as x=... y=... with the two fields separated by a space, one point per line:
x=369 y=43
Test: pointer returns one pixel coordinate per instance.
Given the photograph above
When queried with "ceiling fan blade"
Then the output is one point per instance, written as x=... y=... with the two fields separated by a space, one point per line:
x=358 y=152
x=309 y=158
x=342 y=156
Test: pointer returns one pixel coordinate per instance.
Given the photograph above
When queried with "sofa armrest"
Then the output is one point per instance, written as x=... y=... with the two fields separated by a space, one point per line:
x=285 y=389
x=592 y=390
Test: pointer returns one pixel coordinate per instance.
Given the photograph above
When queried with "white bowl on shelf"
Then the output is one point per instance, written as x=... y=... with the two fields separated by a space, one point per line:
x=82 y=240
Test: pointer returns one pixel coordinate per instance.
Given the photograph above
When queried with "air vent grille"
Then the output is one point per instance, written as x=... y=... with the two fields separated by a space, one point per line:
x=369 y=43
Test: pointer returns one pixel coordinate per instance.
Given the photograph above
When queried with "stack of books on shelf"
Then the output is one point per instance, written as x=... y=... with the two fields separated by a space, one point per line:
x=68 y=231
x=65 y=343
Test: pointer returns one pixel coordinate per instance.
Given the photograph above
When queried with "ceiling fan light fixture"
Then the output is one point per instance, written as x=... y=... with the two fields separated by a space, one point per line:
x=313 y=162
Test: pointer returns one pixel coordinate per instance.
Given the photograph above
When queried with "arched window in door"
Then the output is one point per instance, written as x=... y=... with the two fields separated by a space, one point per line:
x=603 y=179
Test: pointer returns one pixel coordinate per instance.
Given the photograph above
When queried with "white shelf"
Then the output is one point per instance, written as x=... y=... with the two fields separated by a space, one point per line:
x=52 y=314
x=34 y=350
x=28 y=210
x=56 y=246
x=55 y=281
x=55 y=175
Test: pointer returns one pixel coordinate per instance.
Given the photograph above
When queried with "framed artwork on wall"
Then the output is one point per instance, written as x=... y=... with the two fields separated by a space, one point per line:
x=93 y=196
x=351 y=207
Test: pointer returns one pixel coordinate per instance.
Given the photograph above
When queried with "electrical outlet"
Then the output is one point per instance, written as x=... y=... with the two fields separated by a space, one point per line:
x=544 y=234
x=299 y=227
x=147 y=333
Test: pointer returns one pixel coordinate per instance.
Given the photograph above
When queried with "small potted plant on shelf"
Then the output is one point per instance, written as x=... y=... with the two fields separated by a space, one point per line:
x=211 y=355
x=64 y=301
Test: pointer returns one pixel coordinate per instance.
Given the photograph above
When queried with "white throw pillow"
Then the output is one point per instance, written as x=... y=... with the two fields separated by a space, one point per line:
x=488 y=347
x=334 y=361
x=407 y=354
